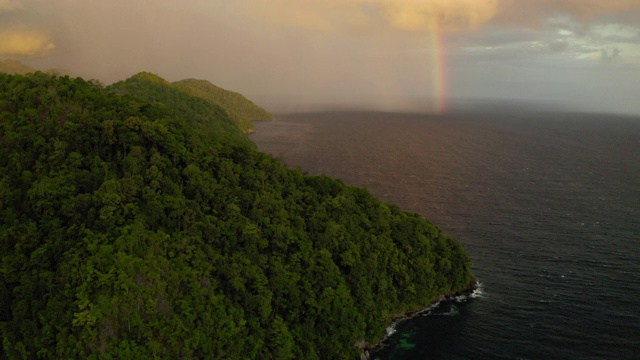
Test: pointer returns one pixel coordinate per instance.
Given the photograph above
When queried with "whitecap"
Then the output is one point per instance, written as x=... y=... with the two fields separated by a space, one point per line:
x=391 y=330
x=453 y=312
x=478 y=292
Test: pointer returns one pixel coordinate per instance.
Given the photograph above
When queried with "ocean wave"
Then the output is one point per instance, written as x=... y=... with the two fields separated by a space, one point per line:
x=453 y=311
x=391 y=330
x=478 y=292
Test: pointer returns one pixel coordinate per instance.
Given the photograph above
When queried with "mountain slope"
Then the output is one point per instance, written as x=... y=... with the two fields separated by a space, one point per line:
x=140 y=222
x=10 y=66
x=240 y=108
x=200 y=115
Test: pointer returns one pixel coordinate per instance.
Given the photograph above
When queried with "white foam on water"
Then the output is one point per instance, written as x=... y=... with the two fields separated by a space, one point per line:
x=478 y=292
x=461 y=298
x=391 y=330
x=428 y=310
x=453 y=311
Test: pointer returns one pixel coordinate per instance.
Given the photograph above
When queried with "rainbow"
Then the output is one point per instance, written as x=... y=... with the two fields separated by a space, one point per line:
x=438 y=68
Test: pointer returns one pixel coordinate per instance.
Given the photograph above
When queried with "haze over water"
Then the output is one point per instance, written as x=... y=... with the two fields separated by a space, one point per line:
x=545 y=203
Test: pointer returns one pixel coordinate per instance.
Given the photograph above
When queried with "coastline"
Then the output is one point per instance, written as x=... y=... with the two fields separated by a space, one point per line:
x=367 y=348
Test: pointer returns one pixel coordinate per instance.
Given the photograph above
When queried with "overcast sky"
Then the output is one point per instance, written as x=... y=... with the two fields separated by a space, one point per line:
x=583 y=54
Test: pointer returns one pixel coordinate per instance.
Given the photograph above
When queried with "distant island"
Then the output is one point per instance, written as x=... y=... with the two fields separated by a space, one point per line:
x=139 y=221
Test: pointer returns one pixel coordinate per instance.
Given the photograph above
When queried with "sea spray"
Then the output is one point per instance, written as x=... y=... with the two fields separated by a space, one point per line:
x=460 y=297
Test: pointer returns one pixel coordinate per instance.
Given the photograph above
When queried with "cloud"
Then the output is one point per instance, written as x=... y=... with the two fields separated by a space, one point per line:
x=558 y=46
x=409 y=15
x=10 y=5
x=24 y=43
x=320 y=50
x=426 y=15
x=608 y=56
x=453 y=16
x=537 y=13
x=329 y=15
x=17 y=38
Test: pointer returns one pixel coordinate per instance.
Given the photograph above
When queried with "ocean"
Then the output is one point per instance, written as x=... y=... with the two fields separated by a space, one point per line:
x=546 y=203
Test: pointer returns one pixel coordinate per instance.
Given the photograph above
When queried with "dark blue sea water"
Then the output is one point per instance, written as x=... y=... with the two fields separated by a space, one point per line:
x=547 y=204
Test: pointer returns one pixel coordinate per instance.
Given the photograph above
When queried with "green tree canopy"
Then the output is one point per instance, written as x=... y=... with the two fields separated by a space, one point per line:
x=242 y=110
x=140 y=222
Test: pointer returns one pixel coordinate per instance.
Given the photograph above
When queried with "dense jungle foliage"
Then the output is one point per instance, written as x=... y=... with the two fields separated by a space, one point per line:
x=137 y=221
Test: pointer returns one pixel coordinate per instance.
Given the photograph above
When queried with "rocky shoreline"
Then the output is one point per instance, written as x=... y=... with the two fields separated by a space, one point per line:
x=367 y=348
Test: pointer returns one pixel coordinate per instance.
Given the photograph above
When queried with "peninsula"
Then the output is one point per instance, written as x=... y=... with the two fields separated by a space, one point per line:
x=139 y=221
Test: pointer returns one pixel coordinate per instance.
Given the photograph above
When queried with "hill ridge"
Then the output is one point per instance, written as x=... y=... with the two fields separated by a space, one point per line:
x=13 y=66
x=238 y=106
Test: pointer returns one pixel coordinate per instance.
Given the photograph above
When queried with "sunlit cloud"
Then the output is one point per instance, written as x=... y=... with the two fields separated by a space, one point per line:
x=24 y=43
x=451 y=16
x=411 y=15
x=420 y=15
x=20 y=40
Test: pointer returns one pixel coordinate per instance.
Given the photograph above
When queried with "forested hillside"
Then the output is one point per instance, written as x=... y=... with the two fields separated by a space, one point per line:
x=240 y=108
x=140 y=222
